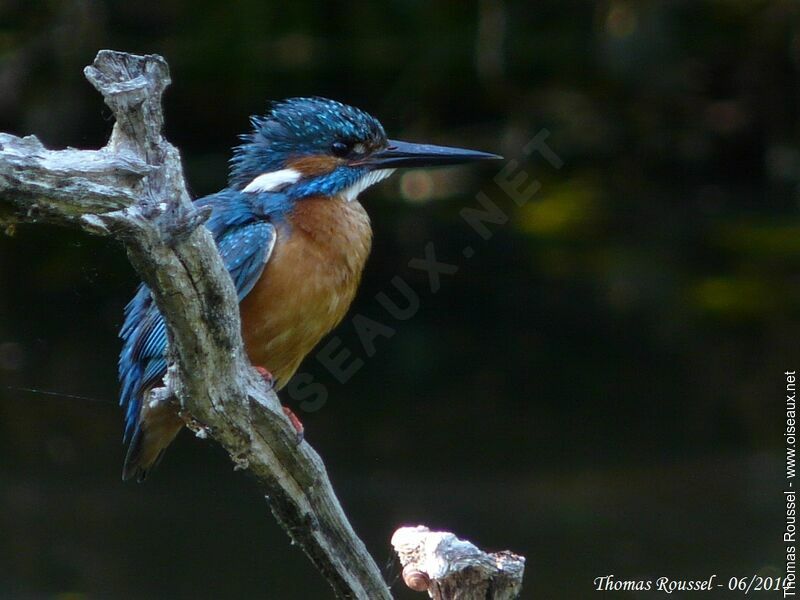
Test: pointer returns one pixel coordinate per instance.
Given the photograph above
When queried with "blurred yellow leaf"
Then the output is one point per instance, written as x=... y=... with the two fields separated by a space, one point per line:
x=563 y=209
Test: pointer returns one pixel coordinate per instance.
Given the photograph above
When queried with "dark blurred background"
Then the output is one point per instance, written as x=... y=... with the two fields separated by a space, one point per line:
x=600 y=387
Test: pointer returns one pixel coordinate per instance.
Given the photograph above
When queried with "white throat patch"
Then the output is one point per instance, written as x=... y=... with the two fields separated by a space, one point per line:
x=367 y=180
x=269 y=182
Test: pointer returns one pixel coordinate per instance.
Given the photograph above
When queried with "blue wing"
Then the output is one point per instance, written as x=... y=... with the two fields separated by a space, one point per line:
x=245 y=244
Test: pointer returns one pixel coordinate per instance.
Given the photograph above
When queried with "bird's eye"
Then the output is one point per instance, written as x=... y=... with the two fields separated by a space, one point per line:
x=340 y=148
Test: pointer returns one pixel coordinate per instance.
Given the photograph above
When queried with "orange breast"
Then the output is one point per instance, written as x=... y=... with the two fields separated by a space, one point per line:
x=307 y=285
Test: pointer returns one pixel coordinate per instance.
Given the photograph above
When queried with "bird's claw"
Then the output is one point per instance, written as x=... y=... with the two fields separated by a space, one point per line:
x=266 y=376
x=298 y=426
x=270 y=381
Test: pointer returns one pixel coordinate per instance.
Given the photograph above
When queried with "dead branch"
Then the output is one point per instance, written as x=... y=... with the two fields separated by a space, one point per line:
x=133 y=190
x=448 y=568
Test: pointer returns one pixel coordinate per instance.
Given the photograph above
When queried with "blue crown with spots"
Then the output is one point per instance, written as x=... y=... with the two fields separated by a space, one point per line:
x=300 y=127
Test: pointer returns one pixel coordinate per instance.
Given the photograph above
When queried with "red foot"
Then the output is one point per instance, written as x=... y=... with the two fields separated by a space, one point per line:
x=266 y=376
x=298 y=426
x=270 y=381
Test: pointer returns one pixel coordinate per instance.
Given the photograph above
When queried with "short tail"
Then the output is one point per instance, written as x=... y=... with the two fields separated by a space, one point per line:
x=148 y=443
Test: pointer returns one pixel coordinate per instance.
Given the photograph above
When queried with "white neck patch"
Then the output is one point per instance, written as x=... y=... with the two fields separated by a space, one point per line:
x=269 y=182
x=367 y=180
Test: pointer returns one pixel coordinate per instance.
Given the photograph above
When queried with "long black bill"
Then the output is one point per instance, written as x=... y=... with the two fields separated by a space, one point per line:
x=405 y=154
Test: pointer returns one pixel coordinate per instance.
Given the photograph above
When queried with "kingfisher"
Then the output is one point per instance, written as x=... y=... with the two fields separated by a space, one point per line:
x=294 y=238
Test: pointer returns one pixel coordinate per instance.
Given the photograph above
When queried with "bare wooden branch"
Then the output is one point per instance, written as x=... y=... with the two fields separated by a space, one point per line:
x=133 y=190
x=448 y=568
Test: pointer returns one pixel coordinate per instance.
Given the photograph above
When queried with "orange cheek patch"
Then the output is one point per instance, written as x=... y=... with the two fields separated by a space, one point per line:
x=310 y=166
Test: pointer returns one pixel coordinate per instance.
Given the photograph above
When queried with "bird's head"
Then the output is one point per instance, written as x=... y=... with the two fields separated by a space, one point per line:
x=313 y=146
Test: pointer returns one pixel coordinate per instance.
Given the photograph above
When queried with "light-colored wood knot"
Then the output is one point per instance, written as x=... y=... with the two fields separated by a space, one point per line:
x=415 y=579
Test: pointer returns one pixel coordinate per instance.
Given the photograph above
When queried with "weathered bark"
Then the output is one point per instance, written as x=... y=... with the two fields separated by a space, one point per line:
x=448 y=568
x=133 y=190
